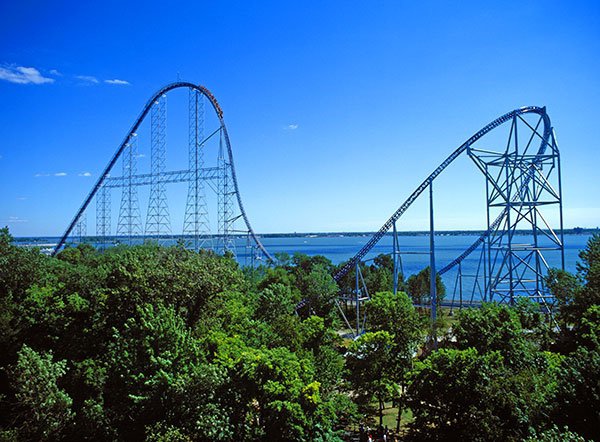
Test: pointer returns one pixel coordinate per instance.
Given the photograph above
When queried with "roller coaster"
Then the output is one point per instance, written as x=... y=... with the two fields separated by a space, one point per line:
x=221 y=178
x=523 y=201
x=522 y=184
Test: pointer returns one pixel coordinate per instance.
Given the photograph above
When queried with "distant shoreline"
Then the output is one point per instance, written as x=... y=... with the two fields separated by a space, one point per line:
x=573 y=231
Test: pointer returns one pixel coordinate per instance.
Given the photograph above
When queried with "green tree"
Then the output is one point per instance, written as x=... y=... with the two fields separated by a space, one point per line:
x=451 y=396
x=494 y=327
x=578 y=397
x=273 y=394
x=43 y=409
x=370 y=371
x=396 y=315
x=576 y=294
x=555 y=434
x=378 y=276
x=418 y=286
x=156 y=373
x=319 y=289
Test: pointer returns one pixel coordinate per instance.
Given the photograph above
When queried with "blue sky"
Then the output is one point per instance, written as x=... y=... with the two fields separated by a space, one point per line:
x=337 y=110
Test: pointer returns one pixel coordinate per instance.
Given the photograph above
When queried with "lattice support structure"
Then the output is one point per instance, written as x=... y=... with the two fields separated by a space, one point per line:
x=103 y=215
x=196 y=226
x=130 y=219
x=525 y=187
x=80 y=231
x=157 y=217
x=225 y=194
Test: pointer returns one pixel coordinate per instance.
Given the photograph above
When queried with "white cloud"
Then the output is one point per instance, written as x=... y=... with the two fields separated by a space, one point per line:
x=87 y=79
x=21 y=198
x=55 y=73
x=15 y=220
x=85 y=174
x=292 y=127
x=117 y=81
x=23 y=75
x=43 y=174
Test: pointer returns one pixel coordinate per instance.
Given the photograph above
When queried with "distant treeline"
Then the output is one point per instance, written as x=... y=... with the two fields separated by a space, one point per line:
x=93 y=238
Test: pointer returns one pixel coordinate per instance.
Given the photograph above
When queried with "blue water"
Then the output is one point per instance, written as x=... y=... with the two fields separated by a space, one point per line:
x=342 y=248
x=447 y=247
x=339 y=248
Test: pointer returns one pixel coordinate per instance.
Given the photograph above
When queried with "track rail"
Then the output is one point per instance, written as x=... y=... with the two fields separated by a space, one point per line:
x=215 y=104
x=460 y=150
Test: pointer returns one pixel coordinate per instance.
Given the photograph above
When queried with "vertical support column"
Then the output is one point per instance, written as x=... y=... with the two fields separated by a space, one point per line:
x=509 y=230
x=560 y=200
x=157 y=219
x=81 y=227
x=196 y=226
x=487 y=260
x=357 y=299
x=129 y=214
x=225 y=192
x=432 y=270
x=395 y=245
x=534 y=229
x=103 y=215
x=460 y=285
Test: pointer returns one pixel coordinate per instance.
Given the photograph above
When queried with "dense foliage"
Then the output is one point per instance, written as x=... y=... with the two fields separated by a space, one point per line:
x=165 y=344
x=158 y=343
x=508 y=373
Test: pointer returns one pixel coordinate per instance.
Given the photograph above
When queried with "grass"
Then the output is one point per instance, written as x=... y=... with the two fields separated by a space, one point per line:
x=390 y=414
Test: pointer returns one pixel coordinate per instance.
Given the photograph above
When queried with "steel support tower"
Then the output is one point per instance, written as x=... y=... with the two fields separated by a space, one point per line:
x=103 y=215
x=130 y=218
x=196 y=226
x=225 y=194
x=157 y=217
x=525 y=187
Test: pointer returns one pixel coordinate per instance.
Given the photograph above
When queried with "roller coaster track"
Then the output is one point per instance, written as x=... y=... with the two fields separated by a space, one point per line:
x=417 y=192
x=204 y=91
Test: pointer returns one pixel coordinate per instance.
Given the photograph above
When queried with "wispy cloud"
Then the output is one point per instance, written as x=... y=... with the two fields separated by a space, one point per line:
x=23 y=75
x=43 y=174
x=85 y=174
x=15 y=220
x=21 y=198
x=55 y=73
x=292 y=126
x=117 y=82
x=87 y=78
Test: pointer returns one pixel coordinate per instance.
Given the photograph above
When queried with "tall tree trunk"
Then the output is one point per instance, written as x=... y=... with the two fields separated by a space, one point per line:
x=399 y=414
x=380 y=411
